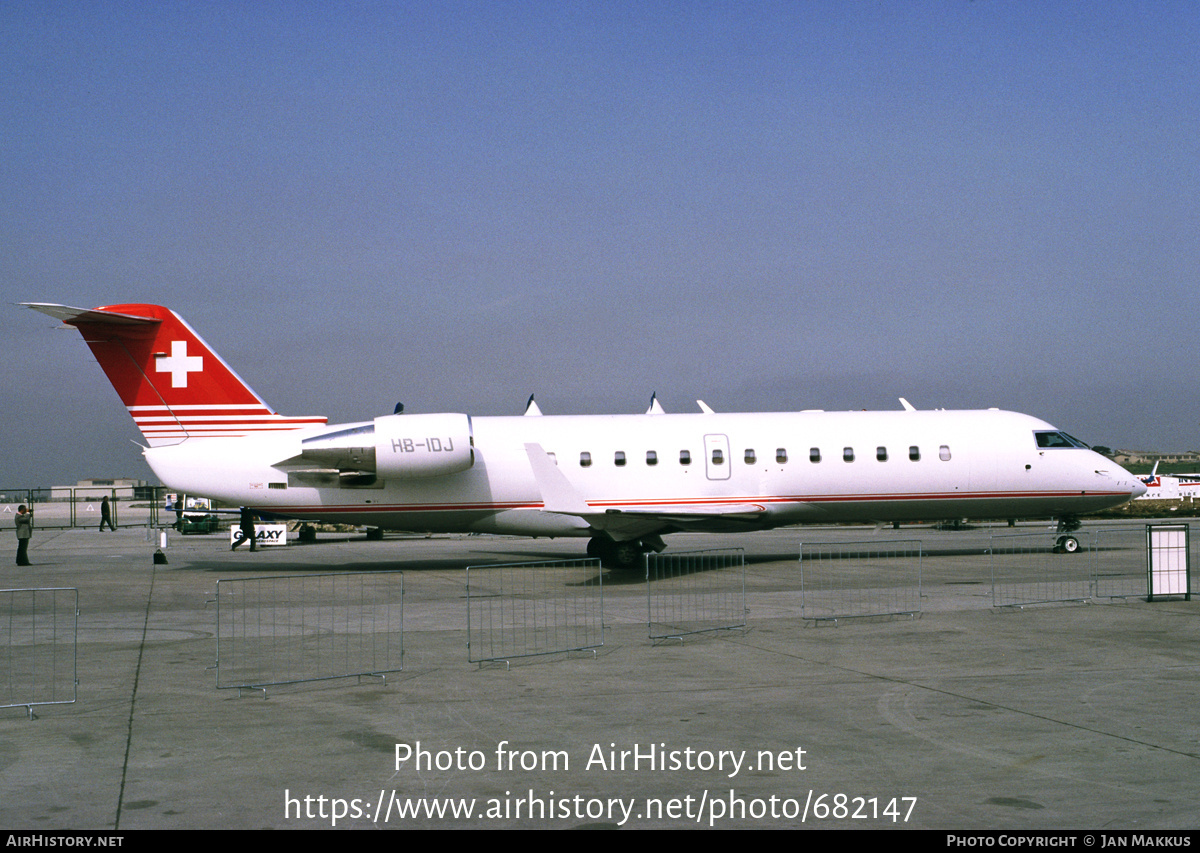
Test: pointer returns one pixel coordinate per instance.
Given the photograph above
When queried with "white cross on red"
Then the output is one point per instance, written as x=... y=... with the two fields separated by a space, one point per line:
x=179 y=364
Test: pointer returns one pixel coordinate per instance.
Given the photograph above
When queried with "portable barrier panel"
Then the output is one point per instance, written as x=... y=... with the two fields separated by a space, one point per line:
x=524 y=609
x=690 y=592
x=842 y=580
x=1168 y=562
x=1118 y=561
x=10 y=501
x=133 y=508
x=39 y=634
x=1031 y=568
x=284 y=630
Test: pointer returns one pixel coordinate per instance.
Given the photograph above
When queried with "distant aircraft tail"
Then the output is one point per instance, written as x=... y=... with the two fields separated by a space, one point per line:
x=173 y=384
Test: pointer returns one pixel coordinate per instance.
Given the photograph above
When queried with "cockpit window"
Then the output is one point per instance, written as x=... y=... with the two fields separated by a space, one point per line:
x=1054 y=439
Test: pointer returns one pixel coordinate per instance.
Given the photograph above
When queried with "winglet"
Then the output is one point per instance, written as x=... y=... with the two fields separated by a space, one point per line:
x=908 y=407
x=531 y=408
x=655 y=407
x=558 y=495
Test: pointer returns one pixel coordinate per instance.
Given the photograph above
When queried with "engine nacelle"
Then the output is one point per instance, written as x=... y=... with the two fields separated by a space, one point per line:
x=410 y=447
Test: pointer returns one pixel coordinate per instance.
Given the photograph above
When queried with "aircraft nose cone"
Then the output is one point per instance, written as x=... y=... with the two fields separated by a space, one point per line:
x=1139 y=489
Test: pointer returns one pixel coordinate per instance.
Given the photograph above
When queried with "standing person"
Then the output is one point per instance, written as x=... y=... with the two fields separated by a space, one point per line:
x=247 y=525
x=24 y=521
x=106 y=515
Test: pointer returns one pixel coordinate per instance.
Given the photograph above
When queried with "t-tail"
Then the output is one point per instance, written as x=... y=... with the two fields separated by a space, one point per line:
x=173 y=384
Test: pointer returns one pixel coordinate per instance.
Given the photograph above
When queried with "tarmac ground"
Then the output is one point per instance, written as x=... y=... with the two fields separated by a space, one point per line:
x=1079 y=714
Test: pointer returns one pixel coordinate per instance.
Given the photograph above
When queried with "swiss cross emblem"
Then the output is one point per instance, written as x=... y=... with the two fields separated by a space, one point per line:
x=179 y=364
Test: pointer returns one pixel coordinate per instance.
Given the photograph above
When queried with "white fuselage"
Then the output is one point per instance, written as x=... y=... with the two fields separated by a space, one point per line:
x=688 y=471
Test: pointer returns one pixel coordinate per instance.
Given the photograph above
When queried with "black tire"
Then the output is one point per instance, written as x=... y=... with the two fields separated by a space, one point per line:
x=622 y=556
x=625 y=555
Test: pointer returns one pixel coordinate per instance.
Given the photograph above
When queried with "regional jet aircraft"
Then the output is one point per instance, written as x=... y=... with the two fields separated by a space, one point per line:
x=621 y=481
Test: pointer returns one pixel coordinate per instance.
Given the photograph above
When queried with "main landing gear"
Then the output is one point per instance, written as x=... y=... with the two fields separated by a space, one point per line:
x=624 y=556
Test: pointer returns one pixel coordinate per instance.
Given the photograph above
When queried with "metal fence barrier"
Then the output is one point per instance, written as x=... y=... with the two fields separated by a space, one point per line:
x=524 y=609
x=1118 y=564
x=1030 y=568
x=691 y=592
x=842 y=580
x=39 y=635
x=285 y=630
x=66 y=507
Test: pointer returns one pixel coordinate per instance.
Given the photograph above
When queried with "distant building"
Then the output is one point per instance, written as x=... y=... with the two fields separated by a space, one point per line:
x=99 y=487
x=1191 y=458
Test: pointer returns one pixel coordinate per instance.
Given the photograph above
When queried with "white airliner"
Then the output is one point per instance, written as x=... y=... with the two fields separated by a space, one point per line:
x=623 y=481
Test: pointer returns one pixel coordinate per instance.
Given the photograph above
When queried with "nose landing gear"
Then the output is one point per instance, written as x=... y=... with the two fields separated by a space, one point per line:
x=1067 y=544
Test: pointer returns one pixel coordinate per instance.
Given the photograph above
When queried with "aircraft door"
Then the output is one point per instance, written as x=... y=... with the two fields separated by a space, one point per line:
x=717 y=464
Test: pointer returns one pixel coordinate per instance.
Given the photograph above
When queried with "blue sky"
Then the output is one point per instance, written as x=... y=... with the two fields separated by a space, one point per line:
x=765 y=205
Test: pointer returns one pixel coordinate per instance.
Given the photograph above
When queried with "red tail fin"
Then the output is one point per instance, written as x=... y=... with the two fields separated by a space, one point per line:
x=169 y=379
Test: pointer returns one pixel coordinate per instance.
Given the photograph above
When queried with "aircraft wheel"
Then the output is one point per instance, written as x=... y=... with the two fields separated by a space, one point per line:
x=1066 y=545
x=616 y=555
x=626 y=555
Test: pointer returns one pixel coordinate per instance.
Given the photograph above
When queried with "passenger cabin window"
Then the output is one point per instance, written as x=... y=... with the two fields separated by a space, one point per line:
x=881 y=454
x=585 y=459
x=848 y=454
x=781 y=455
x=553 y=458
x=814 y=454
x=619 y=458
x=651 y=457
x=750 y=456
x=718 y=456
x=914 y=453
x=685 y=457
x=944 y=453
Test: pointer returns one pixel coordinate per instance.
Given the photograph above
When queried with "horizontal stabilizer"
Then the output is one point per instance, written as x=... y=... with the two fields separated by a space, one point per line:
x=74 y=316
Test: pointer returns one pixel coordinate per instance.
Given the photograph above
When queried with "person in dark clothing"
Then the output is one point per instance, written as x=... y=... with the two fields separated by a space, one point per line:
x=106 y=515
x=247 y=525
